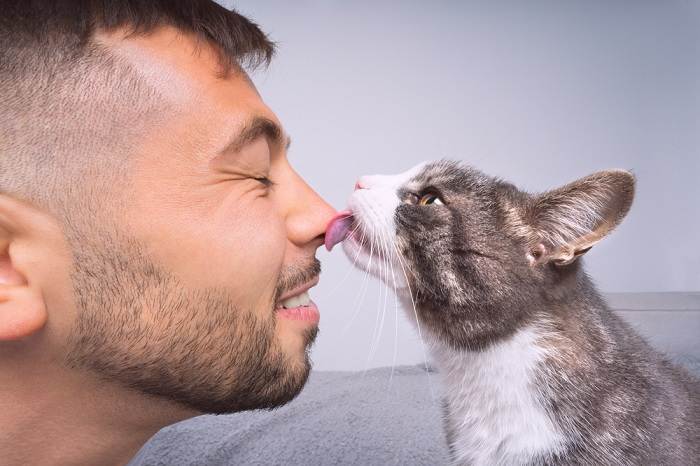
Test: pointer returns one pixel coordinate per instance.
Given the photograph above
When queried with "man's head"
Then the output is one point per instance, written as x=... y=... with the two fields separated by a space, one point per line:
x=150 y=222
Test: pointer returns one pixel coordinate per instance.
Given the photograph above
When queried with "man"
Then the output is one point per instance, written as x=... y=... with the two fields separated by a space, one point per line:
x=156 y=245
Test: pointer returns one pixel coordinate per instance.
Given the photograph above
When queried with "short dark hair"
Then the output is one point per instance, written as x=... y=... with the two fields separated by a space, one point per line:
x=67 y=101
x=35 y=26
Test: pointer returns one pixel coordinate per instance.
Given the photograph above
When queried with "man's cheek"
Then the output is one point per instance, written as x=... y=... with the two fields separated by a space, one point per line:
x=253 y=255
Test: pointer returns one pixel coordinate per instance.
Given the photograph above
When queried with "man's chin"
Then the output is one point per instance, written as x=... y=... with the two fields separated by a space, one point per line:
x=277 y=393
x=266 y=380
x=309 y=338
x=296 y=336
x=291 y=375
x=297 y=346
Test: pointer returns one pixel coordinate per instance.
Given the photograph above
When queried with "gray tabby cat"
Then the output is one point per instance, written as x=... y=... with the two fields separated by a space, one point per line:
x=537 y=370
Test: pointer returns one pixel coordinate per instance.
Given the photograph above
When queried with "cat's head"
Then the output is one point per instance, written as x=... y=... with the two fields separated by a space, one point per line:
x=474 y=254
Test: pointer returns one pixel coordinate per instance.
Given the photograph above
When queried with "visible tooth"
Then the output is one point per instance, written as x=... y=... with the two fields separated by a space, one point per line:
x=304 y=299
x=291 y=302
x=296 y=301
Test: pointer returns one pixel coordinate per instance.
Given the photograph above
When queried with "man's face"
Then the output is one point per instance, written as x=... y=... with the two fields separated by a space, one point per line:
x=178 y=290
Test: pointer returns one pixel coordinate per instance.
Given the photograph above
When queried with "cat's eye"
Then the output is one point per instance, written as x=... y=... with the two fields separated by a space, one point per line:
x=429 y=199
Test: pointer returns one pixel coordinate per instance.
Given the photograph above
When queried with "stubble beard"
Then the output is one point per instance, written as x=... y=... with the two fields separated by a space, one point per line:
x=140 y=327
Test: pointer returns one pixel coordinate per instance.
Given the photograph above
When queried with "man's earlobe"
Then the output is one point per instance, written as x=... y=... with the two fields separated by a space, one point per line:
x=22 y=308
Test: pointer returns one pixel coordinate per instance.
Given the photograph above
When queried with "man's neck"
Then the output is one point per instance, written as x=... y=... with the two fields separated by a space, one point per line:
x=73 y=420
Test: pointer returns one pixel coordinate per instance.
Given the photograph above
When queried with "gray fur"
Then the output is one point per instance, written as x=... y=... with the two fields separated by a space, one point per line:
x=494 y=260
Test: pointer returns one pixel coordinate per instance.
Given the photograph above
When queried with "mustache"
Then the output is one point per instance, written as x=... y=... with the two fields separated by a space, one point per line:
x=296 y=275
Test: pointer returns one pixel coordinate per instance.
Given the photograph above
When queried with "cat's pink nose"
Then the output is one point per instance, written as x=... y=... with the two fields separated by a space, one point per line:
x=359 y=185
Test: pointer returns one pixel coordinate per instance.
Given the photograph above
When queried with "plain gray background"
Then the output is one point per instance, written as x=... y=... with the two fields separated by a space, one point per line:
x=537 y=92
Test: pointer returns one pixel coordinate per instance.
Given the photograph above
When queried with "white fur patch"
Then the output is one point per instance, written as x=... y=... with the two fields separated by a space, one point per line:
x=492 y=397
x=374 y=206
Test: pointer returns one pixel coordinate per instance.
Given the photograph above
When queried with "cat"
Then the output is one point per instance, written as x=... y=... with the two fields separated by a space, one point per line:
x=536 y=368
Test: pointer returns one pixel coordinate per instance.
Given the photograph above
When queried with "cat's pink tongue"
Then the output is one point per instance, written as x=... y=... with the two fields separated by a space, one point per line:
x=338 y=228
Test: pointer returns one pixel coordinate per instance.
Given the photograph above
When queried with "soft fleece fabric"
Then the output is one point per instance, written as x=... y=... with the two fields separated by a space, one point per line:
x=362 y=418
x=340 y=418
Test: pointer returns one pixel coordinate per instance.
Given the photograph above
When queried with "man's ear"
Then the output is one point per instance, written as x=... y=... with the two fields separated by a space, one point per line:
x=568 y=221
x=22 y=307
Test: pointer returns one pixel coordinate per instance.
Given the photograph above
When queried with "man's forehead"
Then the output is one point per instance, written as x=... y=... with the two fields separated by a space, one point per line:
x=186 y=72
x=181 y=67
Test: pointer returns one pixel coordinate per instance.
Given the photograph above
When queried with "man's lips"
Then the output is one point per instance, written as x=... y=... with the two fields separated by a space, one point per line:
x=307 y=313
x=297 y=291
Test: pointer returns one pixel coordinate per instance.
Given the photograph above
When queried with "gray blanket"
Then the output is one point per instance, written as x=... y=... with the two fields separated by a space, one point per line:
x=348 y=418
x=339 y=418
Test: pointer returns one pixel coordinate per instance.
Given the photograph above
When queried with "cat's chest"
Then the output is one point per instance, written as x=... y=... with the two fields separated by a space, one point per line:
x=494 y=409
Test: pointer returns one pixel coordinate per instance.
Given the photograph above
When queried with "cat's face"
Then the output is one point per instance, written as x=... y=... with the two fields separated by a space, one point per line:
x=474 y=254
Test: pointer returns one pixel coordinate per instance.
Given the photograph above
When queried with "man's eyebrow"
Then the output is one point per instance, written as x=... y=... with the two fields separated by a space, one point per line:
x=254 y=129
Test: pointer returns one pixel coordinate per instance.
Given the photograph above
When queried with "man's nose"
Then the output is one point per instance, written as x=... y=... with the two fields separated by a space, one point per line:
x=308 y=218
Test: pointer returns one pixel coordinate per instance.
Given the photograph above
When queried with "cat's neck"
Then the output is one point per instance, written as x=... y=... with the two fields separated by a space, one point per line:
x=495 y=409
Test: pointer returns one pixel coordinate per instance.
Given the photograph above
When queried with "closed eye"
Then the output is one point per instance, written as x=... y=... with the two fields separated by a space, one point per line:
x=267 y=182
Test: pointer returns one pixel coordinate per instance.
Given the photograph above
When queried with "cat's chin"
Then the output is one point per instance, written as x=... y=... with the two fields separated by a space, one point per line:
x=391 y=272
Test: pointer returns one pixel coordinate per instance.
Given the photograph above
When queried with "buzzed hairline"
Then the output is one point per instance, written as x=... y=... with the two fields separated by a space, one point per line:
x=72 y=102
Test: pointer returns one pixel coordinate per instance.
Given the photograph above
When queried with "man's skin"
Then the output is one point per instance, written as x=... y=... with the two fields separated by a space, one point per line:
x=201 y=215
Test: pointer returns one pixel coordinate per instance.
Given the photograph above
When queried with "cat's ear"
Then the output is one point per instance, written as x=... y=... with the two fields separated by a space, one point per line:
x=569 y=220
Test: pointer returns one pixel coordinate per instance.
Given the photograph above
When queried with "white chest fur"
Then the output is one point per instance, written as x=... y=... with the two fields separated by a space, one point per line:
x=495 y=413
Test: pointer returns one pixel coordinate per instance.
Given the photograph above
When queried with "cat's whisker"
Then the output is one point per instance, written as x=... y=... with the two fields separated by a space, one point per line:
x=396 y=312
x=386 y=264
x=365 y=283
x=347 y=274
x=415 y=314
x=375 y=333
x=359 y=249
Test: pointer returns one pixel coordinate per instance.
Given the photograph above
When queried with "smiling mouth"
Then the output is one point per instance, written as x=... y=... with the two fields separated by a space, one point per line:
x=297 y=304
x=299 y=300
